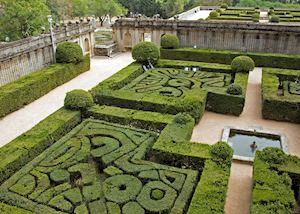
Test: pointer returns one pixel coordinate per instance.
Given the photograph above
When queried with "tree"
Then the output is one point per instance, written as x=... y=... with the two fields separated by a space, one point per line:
x=60 y=9
x=22 y=18
x=80 y=8
x=173 y=7
x=104 y=8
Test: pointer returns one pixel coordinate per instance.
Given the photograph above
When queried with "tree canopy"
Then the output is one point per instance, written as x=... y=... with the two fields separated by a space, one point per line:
x=22 y=18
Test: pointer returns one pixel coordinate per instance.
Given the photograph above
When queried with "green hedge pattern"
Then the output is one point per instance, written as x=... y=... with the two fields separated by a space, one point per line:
x=284 y=105
x=25 y=90
x=223 y=56
x=272 y=184
x=17 y=153
x=68 y=177
x=170 y=90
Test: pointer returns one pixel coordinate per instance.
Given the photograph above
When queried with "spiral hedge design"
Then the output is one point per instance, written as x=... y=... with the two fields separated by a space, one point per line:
x=98 y=168
x=174 y=83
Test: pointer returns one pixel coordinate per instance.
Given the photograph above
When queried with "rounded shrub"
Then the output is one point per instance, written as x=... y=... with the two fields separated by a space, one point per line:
x=222 y=153
x=146 y=51
x=69 y=52
x=234 y=89
x=272 y=156
x=219 y=10
x=275 y=19
x=78 y=100
x=224 y=5
x=182 y=118
x=255 y=16
x=213 y=14
x=169 y=41
x=242 y=64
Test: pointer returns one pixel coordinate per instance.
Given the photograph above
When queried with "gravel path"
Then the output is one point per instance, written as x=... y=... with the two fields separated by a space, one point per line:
x=24 y=119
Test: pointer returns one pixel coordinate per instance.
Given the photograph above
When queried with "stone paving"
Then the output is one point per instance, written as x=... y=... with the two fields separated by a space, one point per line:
x=210 y=129
x=24 y=119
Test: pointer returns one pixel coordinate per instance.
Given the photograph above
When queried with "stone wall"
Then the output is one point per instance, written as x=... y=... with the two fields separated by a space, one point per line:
x=240 y=36
x=22 y=57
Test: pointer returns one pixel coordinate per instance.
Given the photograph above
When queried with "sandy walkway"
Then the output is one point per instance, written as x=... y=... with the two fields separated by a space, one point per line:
x=24 y=119
x=210 y=128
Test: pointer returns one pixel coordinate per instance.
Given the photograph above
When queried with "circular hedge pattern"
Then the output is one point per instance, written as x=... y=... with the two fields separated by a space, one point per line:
x=242 y=64
x=146 y=51
x=169 y=41
x=69 y=52
x=151 y=204
x=121 y=188
x=78 y=100
x=180 y=82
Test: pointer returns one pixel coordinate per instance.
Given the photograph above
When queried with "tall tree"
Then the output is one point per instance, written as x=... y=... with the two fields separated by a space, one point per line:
x=80 y=8
x=60 y=9
x=22 y=18
x=173 y=7
x=103 y=8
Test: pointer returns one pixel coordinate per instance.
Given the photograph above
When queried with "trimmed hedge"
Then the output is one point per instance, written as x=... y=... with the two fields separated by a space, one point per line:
x=8 y=209
x=78 y=100
x=272 y=188
x=27 y=146
x=242 y=64
x=224 y=103
x=173 y=146
x=210 y=67
x=25 y=90
x=110 y=93
x=141 y=119
x=210 y=194
x=286 y=106
x=145 y=52
x=169 y=41
x=226 y=57
x=234 y=90
x=69 y=52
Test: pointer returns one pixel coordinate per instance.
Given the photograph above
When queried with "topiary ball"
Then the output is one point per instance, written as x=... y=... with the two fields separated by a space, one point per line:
x=213 y=14
x=275 y=19
x=234 y=90
x=222 y=153
x=242 y=64
x=78 y=100
x=69 y=52
x=255 y=16
x=224 y=5
x=169 y=41
x=146 y=51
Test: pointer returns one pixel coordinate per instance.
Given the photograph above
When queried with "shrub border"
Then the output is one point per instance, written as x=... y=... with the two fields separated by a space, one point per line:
x=25 y=90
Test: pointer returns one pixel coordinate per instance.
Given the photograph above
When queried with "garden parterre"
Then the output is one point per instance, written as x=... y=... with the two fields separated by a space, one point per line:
x=132 y=151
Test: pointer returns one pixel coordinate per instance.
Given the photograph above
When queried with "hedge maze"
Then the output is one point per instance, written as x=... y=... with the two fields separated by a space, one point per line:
x=97 y=168
x=174 y=82
x=281 y=90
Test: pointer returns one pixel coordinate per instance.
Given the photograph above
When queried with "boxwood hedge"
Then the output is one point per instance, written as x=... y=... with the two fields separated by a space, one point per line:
x=18 y=152
x=25 y=90
x=272 y=182
x=221 y=56
x=285 y=106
